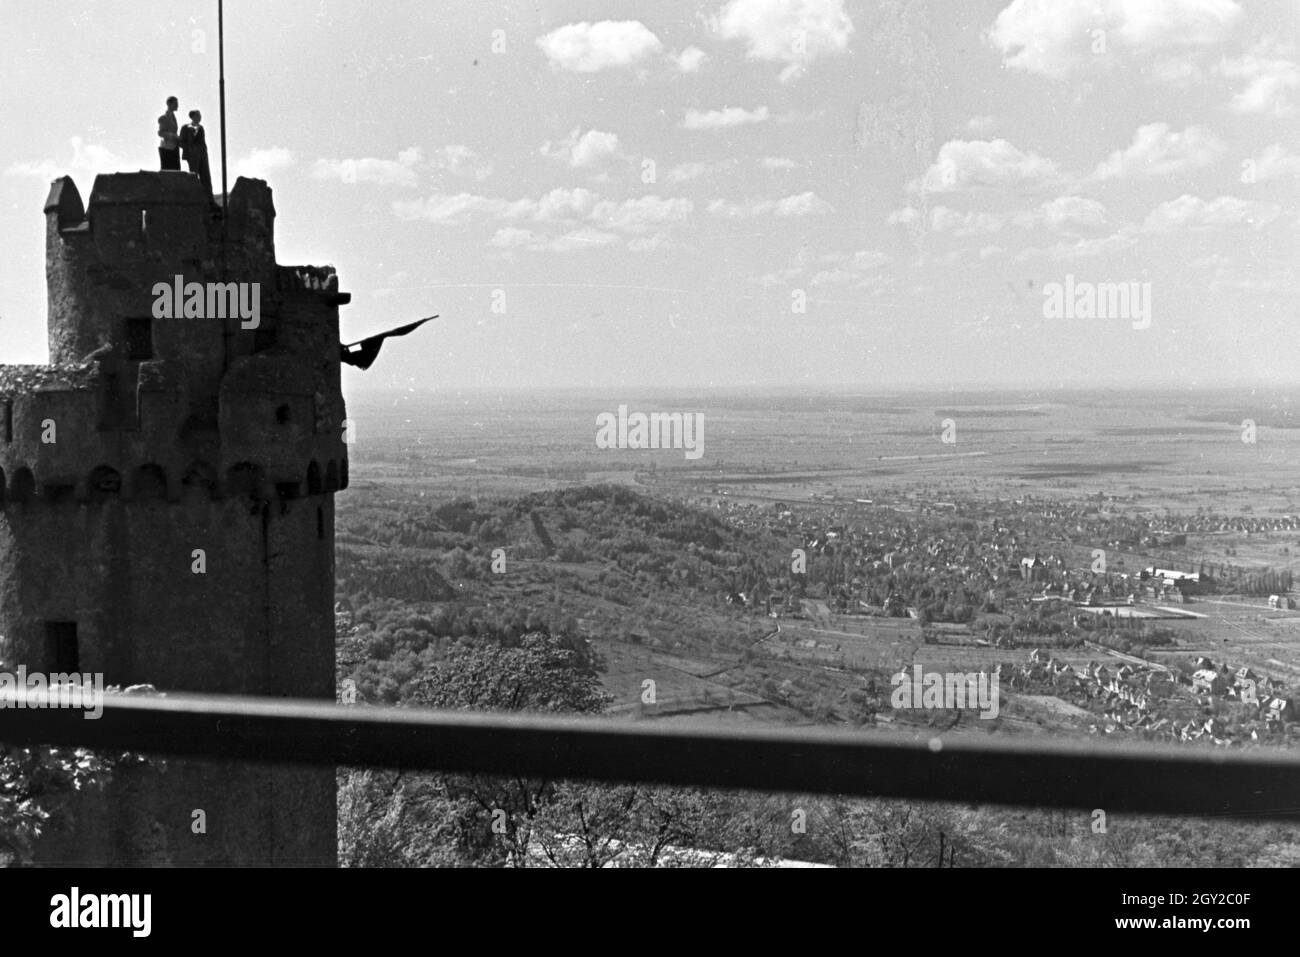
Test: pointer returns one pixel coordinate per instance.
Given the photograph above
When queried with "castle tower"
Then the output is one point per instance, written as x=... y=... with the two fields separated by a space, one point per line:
x=167 y=501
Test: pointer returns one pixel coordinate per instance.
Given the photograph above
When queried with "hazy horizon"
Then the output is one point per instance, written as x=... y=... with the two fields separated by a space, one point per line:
x=830 y=389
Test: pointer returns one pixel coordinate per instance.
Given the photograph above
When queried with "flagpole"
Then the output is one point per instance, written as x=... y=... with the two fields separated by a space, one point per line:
x=221 y=71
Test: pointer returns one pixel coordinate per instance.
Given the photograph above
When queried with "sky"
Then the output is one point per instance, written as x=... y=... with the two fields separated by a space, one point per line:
x=791 y=194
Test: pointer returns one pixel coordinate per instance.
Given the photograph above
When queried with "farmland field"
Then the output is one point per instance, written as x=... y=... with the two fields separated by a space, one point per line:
x=1152 y=451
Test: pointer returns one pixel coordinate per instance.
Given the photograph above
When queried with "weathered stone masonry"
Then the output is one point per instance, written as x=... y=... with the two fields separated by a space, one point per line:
x=173 y=435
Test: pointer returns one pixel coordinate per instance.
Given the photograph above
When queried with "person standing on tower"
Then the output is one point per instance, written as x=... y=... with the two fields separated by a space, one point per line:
x=168 y=151
x=194 y=148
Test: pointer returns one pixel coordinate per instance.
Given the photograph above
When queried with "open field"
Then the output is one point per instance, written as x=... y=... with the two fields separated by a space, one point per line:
x=1154 y=451
x=848 y=642
x=1244 y=632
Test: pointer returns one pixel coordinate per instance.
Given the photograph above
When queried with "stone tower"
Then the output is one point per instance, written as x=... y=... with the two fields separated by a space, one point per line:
x=167 y=502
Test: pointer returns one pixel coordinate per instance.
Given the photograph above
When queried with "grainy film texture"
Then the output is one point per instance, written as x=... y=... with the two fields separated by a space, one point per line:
x=919 y=378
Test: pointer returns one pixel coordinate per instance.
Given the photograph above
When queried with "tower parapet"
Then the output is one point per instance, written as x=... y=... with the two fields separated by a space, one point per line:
x=127 y=389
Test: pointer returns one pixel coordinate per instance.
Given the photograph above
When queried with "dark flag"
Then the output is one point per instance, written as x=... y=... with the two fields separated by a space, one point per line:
x=363 y=353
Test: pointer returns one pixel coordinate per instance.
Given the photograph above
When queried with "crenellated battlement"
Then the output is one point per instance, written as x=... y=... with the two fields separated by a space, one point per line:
x=137 y=383
x=130 y=214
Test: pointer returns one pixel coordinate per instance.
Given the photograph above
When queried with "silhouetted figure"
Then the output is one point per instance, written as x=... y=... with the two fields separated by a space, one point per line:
x=194 y=149
x=169 y=143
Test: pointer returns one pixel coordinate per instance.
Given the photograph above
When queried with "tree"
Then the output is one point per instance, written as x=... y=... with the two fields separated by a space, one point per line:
x=540 y=673
x=395 y=819
x=474 y=818
x=35 y=785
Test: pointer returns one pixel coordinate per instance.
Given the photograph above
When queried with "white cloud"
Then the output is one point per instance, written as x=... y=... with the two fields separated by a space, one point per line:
x=592 y=149
x=511 y=237
x=589 y=220
x=690 y=59
x=778 y=162
x=446 y=208
x=719 y=119
x=858 y=268
x=802 y=204
x=684 y=172
x=1055 y=38
x=633 y=215
x=1064 y=213
x=592 y=47
x=1272 y=77
x=558 y=205
x=86 y=158
x=981 y=125
x=585 y=238
x=262 y=163
x=1192 y=212
x=460 y=160
x=945 y=220
x=1158 y=151
x=1274 y=163
x=965 y=163
x=399 y=172
x=793 y=32
x=508 y=237
x=1089 y=247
